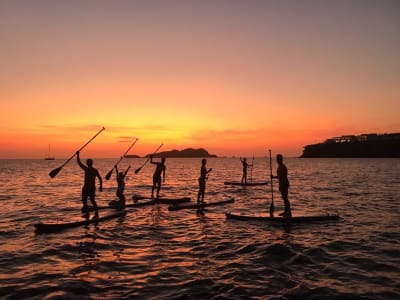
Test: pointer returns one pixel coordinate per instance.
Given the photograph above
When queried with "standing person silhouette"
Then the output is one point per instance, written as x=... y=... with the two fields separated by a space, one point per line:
x=89 y=186
x=245 y=166
x=160 y=170
x=202 y=181
x=282 y=175
x=121 y=186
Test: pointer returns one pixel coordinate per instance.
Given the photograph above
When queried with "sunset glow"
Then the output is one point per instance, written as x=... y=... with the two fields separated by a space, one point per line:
x=233 y=77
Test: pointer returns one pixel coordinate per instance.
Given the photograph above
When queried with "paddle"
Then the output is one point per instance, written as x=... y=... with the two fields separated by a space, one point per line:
x=108 y=175
x=138 y=169
x=54 y=173
x=271 y=207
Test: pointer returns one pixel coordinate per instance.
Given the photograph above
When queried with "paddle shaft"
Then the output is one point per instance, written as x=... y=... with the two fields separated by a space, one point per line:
x=146 y=161
x=55 y=171
x=81 y=148
x=121 y=158
x=252 y=166
x=271 y=209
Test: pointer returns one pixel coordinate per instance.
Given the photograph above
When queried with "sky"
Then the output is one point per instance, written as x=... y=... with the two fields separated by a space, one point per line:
x=234 y=77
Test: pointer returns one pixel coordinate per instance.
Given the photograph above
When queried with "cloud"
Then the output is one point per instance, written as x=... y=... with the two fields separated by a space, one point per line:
x=75 y=128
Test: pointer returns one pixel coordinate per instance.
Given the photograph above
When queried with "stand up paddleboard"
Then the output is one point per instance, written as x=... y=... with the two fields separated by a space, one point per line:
x=56 y=227
x=254 y=183
x=164 y=200
x=200 y=206
x=291 y=220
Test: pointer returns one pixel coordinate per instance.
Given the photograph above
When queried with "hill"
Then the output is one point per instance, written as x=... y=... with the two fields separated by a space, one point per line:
x=364 y=145
x=189 y=152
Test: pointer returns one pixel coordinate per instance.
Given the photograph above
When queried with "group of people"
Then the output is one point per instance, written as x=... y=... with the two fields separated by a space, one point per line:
x=91 y=173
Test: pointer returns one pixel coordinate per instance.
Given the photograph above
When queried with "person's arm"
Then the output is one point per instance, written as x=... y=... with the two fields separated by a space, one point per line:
x=126 y=171
x=277 y=175
x=209 y=170
x=116 y=171
x=79 y=161
x=100 y=180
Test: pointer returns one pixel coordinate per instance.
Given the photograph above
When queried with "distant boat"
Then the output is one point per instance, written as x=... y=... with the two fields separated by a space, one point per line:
x=48 y=156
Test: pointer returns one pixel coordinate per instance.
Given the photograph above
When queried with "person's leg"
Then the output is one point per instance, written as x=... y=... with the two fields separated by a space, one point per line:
x=122 y=200
x=158 y=187
x=153 y=187
x=92 y=198
x=203 y=191
x=199 y=192
x=288 y=211
x=84 y=200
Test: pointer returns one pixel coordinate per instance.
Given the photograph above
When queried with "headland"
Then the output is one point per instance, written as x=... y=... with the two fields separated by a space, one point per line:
x=363 y=145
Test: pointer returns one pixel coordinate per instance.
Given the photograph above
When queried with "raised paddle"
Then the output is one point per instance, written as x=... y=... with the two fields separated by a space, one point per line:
x=54 y=172
x=108 y=175
x=271 y=207
x=138 y=169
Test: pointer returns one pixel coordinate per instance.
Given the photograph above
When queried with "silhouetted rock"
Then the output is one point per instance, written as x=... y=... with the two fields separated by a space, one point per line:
x=189 y=152
x=131 y=156
x=365 y=145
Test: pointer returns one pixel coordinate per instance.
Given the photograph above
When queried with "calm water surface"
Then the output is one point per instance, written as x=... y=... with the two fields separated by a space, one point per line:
x=153 y=253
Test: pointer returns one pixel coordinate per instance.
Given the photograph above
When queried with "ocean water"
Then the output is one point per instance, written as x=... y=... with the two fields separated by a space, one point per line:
x=153 y=253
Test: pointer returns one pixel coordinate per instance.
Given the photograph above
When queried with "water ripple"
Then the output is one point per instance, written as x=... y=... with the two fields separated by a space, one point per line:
x=153 y=253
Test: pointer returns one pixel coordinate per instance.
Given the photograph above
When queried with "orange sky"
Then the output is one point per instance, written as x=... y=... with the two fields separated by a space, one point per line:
x=234 y=77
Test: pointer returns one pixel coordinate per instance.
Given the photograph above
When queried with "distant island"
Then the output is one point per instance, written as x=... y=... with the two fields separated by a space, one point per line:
x=189 y=152
x=131 y=156
x=364 y=145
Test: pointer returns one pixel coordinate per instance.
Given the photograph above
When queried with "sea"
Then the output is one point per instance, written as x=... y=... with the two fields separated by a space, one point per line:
x=154 y=253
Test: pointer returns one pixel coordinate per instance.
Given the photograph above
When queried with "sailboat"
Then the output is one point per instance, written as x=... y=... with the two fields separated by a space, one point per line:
x=48 y=156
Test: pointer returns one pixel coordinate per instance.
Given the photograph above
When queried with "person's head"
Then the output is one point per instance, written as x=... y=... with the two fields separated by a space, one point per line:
x=121 y=174
x=244 y=159
x=89 y=162
x=279 y=158
x=203 y=161
x=163 y=159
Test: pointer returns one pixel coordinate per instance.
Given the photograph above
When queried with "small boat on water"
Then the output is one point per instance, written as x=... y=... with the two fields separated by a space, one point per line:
x=200 y=206
x=285 y=220
x=56 y=227
x=48 y=155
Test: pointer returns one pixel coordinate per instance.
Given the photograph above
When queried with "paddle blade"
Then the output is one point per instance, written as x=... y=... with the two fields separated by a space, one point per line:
x=138 y=170
x=54 y=173
x=108 y=175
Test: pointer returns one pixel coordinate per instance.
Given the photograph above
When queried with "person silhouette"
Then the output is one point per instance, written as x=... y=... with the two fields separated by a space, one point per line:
x=282 y=176
x=245 y=166
x=121 y=187
x=160 y=170
x=89 y=186
x=202 y=181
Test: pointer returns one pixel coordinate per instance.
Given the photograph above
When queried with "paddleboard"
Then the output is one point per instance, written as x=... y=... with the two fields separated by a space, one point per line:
x=246 y=184
x=200 y=206
x=165 y=200
x=55 y=227
x=293 y=219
